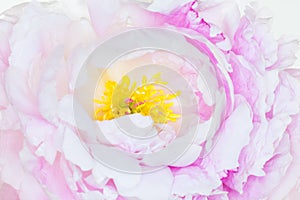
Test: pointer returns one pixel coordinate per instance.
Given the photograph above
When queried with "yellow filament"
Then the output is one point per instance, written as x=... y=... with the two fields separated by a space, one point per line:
x=121 y=99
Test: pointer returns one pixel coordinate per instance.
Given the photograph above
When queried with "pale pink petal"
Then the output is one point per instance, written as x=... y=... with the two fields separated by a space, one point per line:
x=123 y=181
x=194 y=180
x=167 y=5
x=288 y=90
x=136 y=125
x=247 y=146
x=253 y=39
x=3 y=95
x=30 y=42
x=110 y=193
x=49 y=88
x=75 y=9
x=91 y=195
x=75 y=152
x=37 y=130
x=47 y=150
x=188 y=157
x=31 y=189
x=294 y=72
x=275 y=169
x=294 y=193
x=17 y=88
x=5 y=31
x=291 y=178
x=237 y=127
x=9 y=119
x=55 y=180
x=65 y=110
x=102 y=13
x=227 y=23
x=265 y=138
x=11 y=143
x=155 y=185
x=287 y=48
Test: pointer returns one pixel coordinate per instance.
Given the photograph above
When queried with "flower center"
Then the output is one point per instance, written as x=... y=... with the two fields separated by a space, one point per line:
x=122 y=98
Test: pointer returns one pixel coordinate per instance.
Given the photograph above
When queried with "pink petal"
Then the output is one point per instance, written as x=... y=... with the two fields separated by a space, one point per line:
x=8 y=192
x=17 y=88
x=216 y=13
x=244 y=79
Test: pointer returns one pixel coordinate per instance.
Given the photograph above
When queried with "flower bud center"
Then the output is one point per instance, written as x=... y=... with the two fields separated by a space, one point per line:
x=149 y=99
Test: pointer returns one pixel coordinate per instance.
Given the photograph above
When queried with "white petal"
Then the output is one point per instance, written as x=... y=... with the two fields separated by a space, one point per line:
x=75 y=152
x=166 y=5
x=121 y=179
x=156 y=185
x=188 y=157
x=31 y=189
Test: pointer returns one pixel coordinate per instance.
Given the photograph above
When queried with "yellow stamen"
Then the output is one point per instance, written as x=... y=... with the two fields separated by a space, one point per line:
x=120 y=99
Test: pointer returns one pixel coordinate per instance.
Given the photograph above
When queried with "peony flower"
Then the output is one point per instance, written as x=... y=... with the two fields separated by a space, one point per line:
x=118 y=99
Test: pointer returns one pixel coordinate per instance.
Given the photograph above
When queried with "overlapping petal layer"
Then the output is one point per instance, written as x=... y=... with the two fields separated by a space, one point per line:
x=255 y=145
